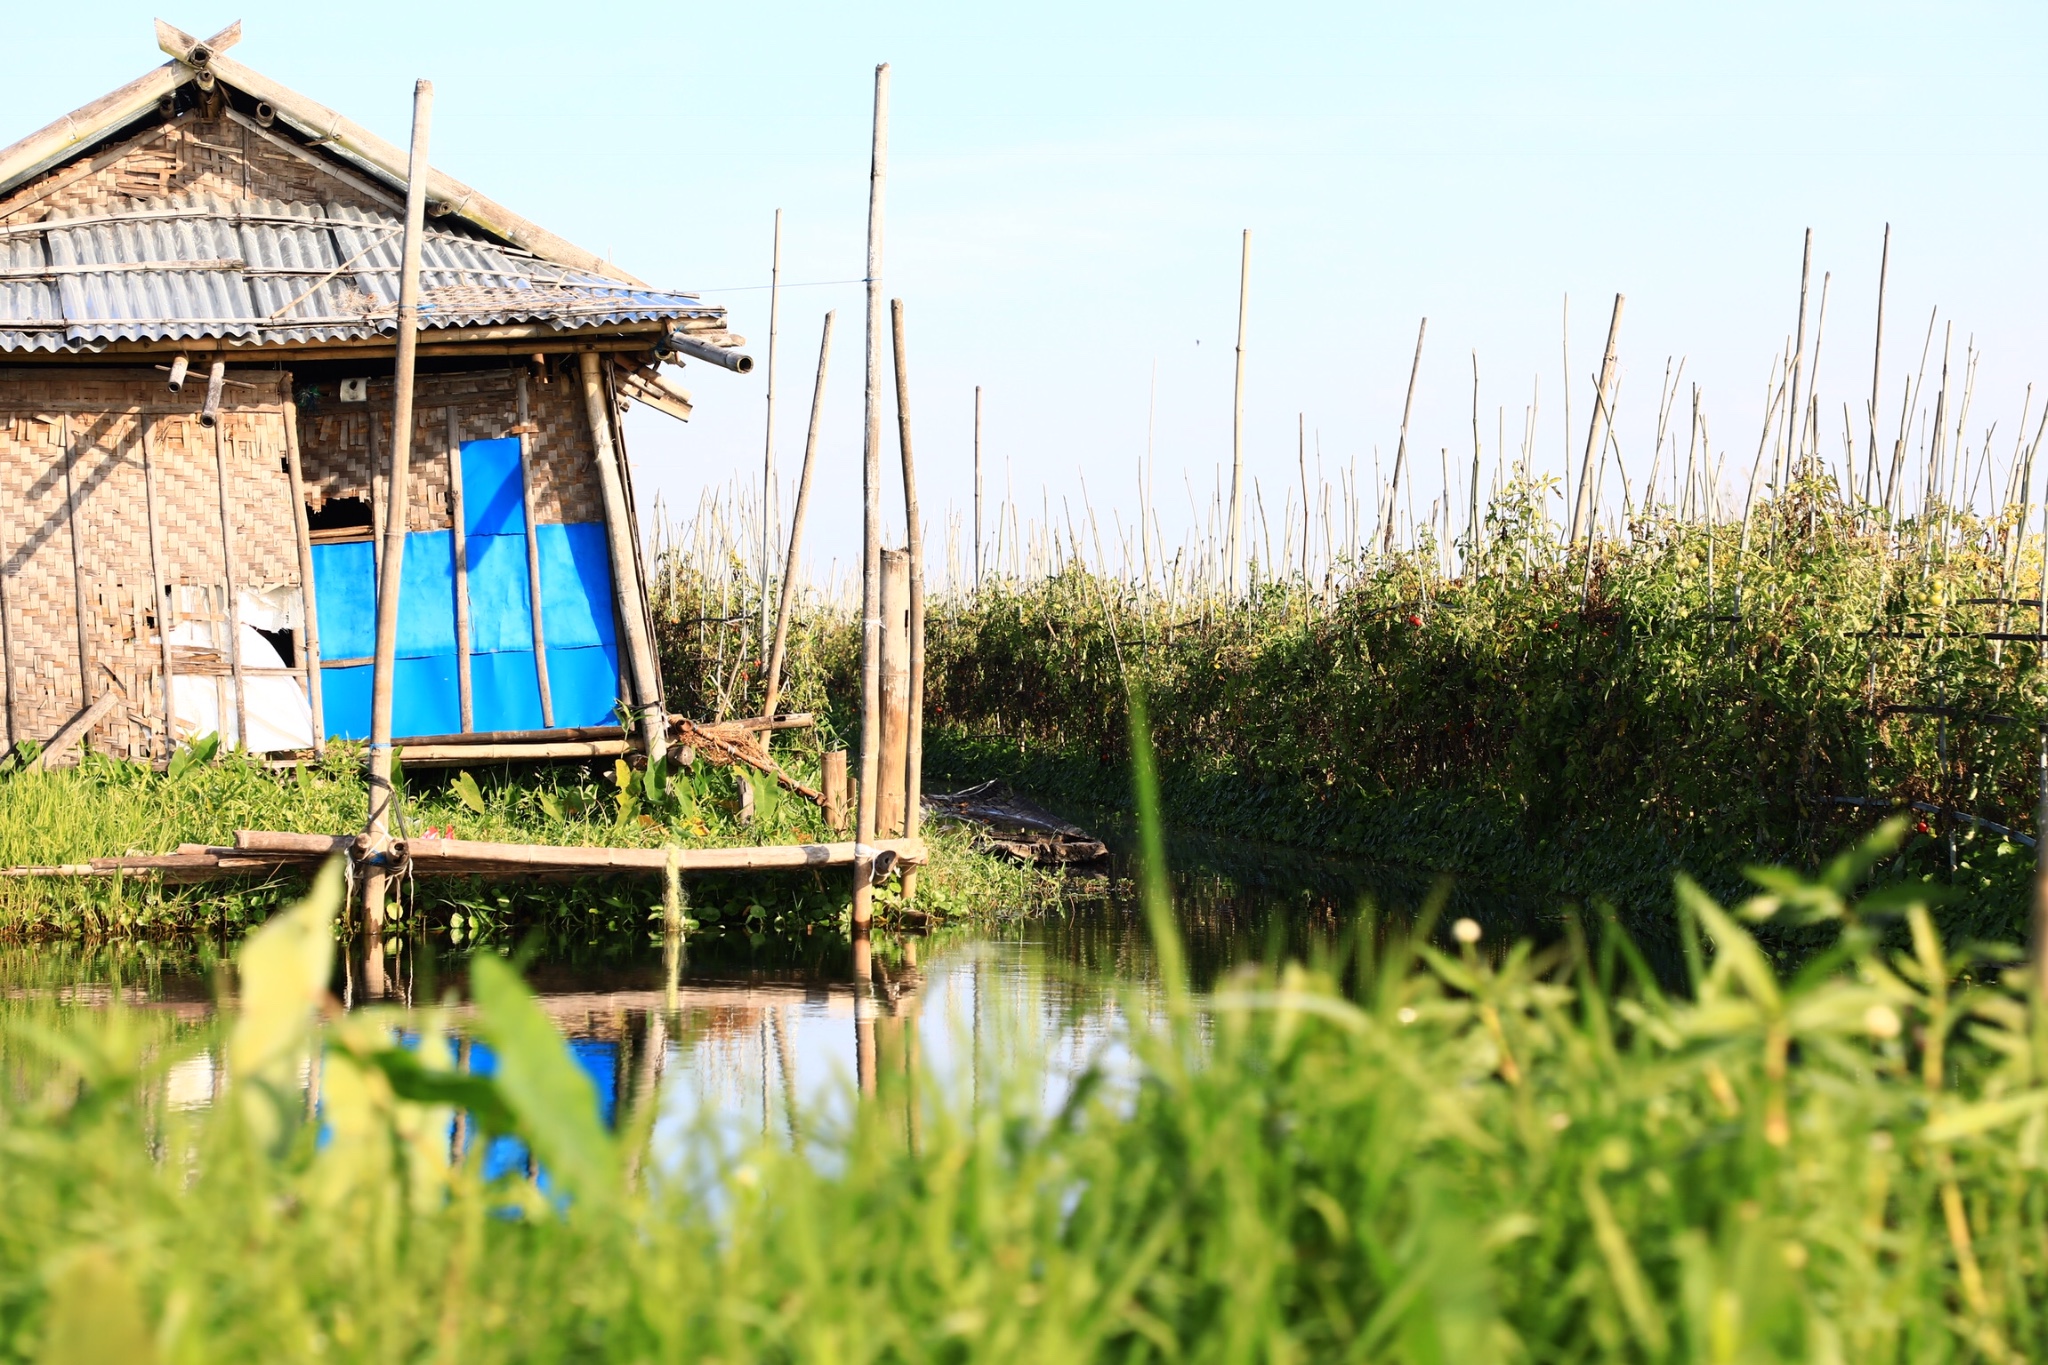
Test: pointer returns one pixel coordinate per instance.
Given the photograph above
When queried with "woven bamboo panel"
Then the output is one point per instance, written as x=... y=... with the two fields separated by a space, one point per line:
x=334 y=443
x=205 y=156
x=74 y=511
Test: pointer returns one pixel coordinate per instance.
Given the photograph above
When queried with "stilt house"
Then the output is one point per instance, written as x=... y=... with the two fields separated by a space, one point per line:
x=198 y=295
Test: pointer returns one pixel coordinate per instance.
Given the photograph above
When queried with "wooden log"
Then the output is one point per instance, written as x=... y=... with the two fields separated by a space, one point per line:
x=454 y=755
x=795 y=720
x=913 y=745
x=391 y=553
x=871 y=514
x=625 y=565
x=796 y=529
x=76 y=729
x=308 y=598
x=458 y=531
x=457 y=856
x=895 y=718
x=280 y=841
x=234 y=603
x=481 y=737
x=161 y=583
x=833 y=779
x=540 y=638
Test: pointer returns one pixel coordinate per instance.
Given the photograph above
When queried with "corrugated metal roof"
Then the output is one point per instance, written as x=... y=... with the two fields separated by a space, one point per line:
x=271 y=272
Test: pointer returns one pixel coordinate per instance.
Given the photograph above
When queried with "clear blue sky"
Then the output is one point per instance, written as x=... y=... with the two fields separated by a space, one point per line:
x=1069 y=182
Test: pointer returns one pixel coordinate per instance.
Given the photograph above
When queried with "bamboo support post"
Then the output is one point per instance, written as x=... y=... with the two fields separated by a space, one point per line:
x=391 y=553
x=1401 y=446
x=233 y=605
x=913 y=747
x=78 y=592
x=796 y=530
x=891 y=789
x=308 y=598
x=458 y=530
x=977 y=490
x=768 y=490
x=540 y=639
x=76 y=728
x=1583 y=510
x=871 y=516
x=1235 y=567
x=832 y=776
x=161 y=584
x=618 y=523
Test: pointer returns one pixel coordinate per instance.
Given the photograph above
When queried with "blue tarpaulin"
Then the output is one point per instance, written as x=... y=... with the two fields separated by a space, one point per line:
x=576 y=613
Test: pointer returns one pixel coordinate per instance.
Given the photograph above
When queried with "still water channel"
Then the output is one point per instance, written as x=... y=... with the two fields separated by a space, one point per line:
x=750 y=1041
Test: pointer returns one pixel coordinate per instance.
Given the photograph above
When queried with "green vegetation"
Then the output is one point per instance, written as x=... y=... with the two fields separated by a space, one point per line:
x=1530 y=725
x=1403 y=1152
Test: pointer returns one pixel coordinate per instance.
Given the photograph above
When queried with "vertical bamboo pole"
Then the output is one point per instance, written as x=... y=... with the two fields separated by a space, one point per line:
x=1794 y=414
x=891 y=788
x=78 y=594
x=1234 y=570
x=832 y=782
x=796 y=529
x=391 y=553
x=458 y=530
x=913 y=751
x=160 y=582
x=1884 y=263
x=977 y=488
x=1583 y=510
x=871 y=520
x=1401 y=446
x=526 y=430
x=234 y=592
x=618 y=524
x=769 y=520
x=1472 y=523
x=379 y=482
x=309 y=600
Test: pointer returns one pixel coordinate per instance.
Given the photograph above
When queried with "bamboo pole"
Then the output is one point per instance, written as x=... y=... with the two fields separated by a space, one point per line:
x=1596 y=432
x=977 y=488
x=1795 y=415
x=309 y=600
x=81 y=616
x=161 y=584
x=1401 y=446
x=1234 y=569
x=611 y=474
x=234 y=593
x=891 y=788
x=768 y=489
x=391 y=553
x=796 y=528
x=458 y=530
x=525 y=430
x=913 y=750
x=871 y=516
x=1884 y=262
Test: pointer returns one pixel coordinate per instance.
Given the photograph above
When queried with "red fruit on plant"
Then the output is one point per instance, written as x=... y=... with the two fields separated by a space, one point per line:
x=1413 y=619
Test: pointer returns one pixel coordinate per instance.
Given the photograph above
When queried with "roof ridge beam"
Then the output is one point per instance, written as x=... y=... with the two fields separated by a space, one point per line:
x=345 y=135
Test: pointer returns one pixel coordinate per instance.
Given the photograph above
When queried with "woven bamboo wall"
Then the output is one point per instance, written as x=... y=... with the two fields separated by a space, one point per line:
x=334 y=443
x=74 y=523
x=215 y=157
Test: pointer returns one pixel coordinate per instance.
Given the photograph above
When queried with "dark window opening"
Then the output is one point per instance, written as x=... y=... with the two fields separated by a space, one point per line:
x=281 y=640
x=339 y=514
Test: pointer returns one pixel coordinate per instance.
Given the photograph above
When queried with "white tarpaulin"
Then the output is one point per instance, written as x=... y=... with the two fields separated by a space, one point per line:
x=279 y=715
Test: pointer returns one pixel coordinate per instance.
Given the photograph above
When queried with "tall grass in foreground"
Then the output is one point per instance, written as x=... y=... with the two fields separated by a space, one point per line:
x=1456 y=1156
